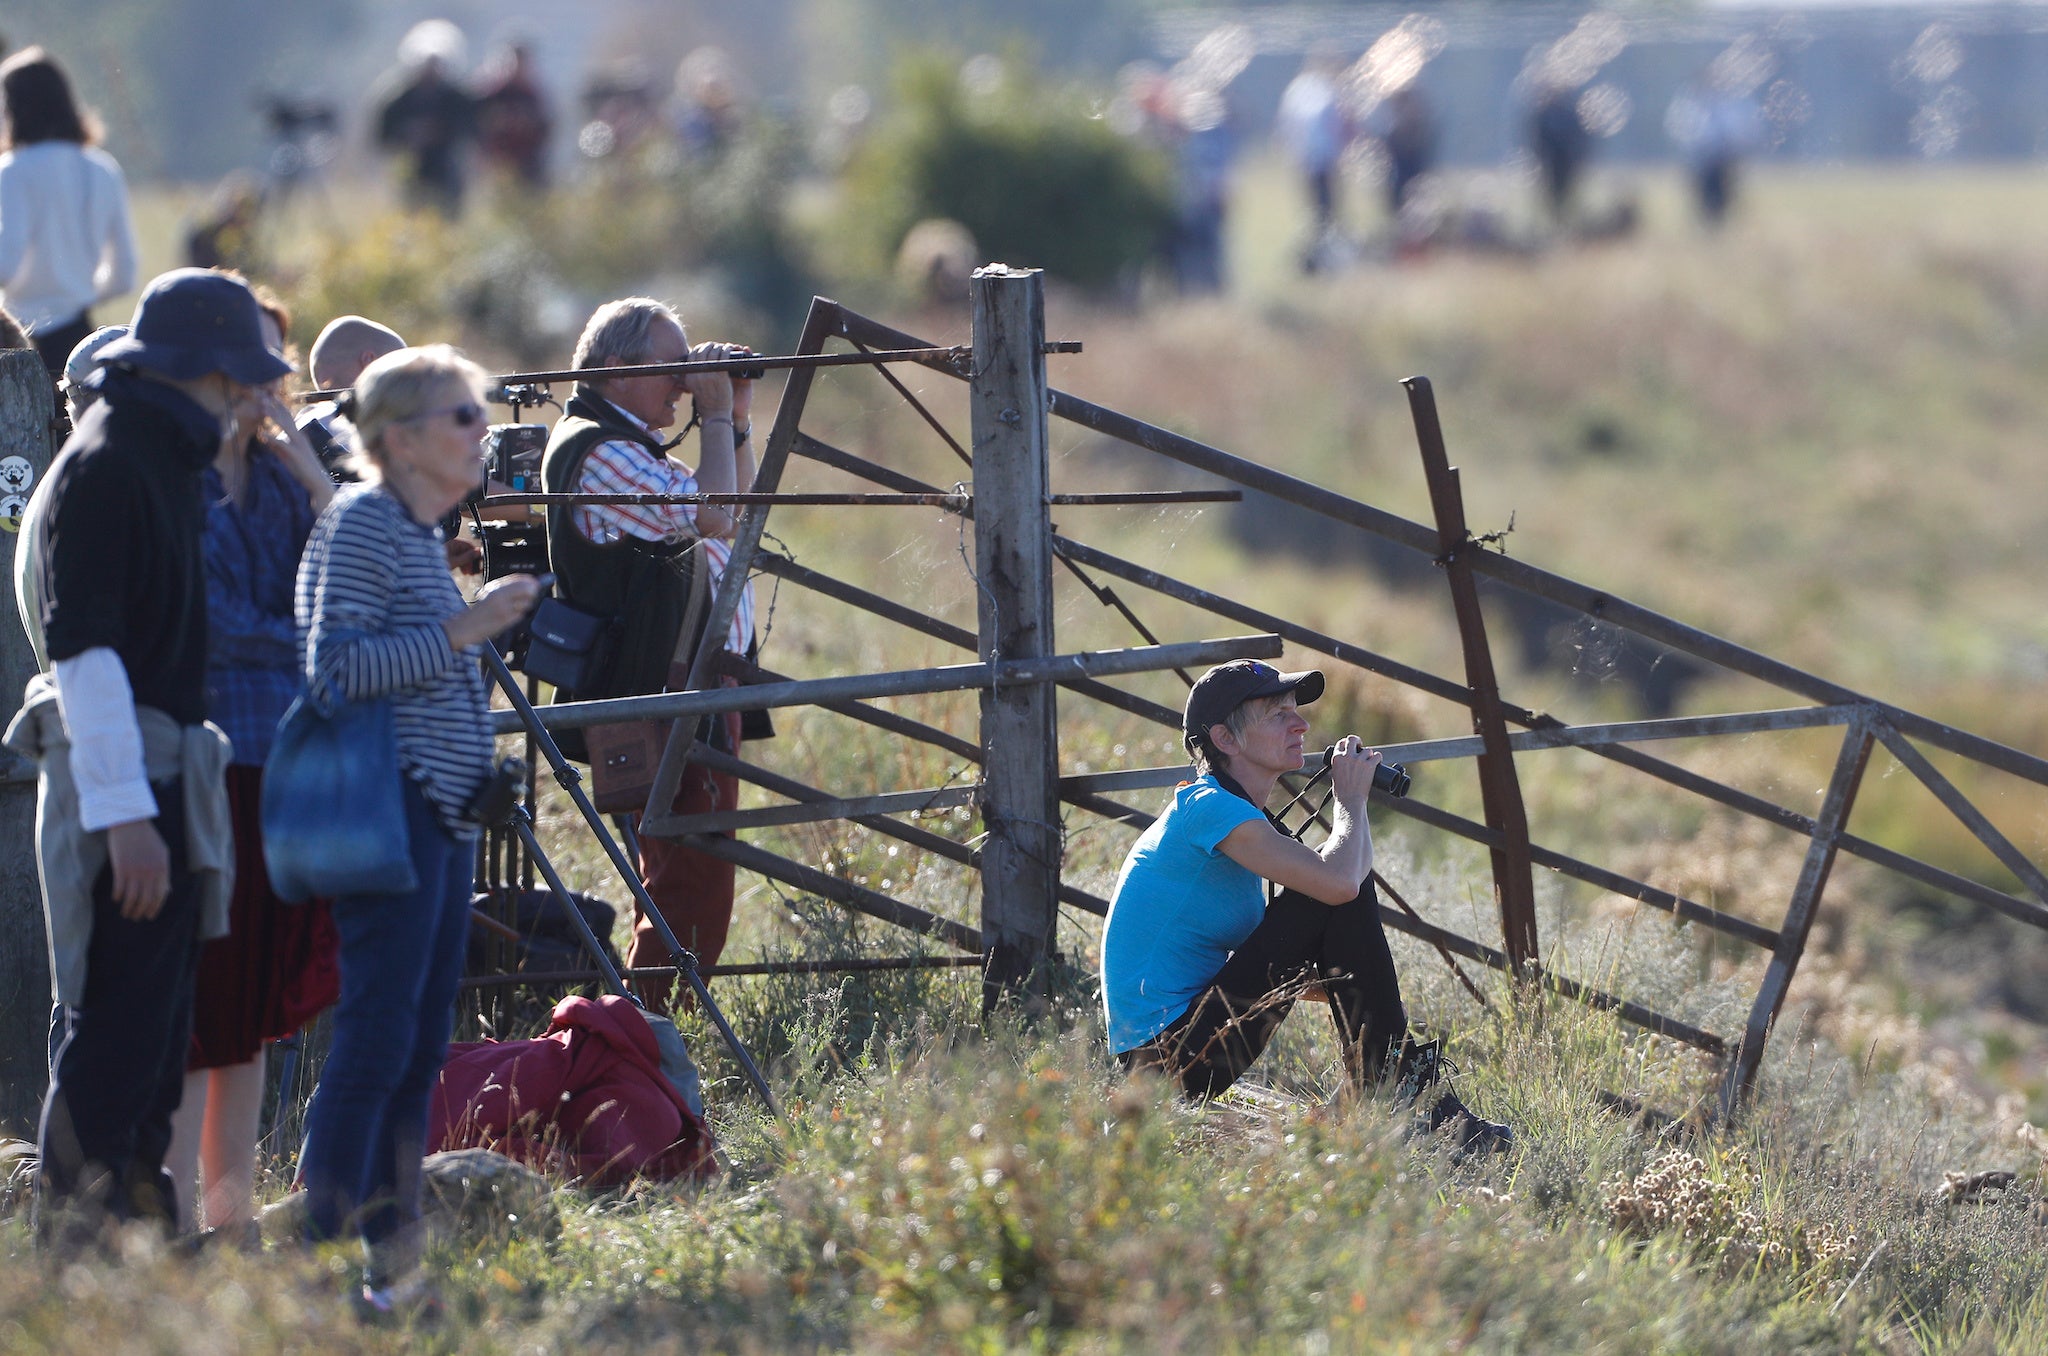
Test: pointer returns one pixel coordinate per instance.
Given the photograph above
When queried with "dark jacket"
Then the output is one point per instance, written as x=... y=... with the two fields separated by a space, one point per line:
x=122 y=561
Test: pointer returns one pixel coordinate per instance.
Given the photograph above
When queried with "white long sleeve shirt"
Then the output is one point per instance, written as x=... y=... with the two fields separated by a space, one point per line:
x=98 y=707
x=66 y=239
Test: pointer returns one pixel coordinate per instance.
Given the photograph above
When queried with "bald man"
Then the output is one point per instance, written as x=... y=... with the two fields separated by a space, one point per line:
x=349 y=344
x=345 y=347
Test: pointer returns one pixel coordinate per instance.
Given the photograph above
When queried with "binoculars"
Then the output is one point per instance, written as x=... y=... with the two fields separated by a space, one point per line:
x=1389 y=779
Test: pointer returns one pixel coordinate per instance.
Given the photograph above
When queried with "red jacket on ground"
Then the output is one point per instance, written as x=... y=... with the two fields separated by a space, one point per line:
x=588 y=1099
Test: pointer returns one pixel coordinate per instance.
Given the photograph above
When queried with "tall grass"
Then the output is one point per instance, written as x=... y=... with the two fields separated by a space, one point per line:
x=1815 y=432
x=1001 y=1189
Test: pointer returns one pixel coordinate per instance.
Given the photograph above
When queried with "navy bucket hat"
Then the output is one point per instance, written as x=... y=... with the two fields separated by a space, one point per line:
x=1228 y=686
x=192 y=321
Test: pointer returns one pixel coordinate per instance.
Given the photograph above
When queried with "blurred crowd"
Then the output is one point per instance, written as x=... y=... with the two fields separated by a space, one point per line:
x=1364 y=132
x=1354 y=126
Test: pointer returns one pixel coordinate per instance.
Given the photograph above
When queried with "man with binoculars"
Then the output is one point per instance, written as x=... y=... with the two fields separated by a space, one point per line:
x=1199 y=967
x=651 y=568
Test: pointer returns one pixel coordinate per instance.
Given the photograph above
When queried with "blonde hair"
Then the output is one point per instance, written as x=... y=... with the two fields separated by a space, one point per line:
x=395 y=388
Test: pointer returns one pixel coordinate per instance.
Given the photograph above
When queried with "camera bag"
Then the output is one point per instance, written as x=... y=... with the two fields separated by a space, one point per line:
x=567 y=647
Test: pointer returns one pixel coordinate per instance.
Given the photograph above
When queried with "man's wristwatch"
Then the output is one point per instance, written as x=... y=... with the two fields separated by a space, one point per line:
x=740 y=435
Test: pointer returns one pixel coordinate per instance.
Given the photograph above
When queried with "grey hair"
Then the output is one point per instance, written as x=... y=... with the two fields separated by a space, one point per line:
x=396 y=388
x=618 y=330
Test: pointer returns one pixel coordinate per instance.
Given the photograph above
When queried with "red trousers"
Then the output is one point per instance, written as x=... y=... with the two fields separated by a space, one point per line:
x=692 y=892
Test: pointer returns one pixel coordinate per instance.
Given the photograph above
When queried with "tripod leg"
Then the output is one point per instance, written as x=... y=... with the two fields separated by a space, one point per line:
x=287 y=1070
x=680 y=956
x=612 y=979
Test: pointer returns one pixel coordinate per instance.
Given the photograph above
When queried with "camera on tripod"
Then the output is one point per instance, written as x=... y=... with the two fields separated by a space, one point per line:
x=512 y=460
x=294 y=119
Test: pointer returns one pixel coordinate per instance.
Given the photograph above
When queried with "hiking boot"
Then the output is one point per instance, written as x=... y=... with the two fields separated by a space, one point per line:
x=1474 y=1134
x=1420 y=1067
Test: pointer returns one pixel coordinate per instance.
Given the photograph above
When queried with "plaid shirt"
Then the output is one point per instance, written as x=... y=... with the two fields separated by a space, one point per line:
x=625 y=467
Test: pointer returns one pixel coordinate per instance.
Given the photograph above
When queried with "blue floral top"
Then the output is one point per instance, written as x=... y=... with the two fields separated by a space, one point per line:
x=252 y=565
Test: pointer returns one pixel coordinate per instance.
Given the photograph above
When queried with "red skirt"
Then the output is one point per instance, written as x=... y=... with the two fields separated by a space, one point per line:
x=278 y=965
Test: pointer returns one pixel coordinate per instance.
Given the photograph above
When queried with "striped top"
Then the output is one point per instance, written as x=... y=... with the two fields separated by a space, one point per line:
x=373 y=591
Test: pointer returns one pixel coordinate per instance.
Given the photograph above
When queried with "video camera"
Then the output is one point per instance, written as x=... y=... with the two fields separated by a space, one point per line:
x=512 y=455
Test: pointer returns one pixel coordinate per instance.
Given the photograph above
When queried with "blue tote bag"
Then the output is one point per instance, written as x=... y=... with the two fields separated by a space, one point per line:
x=333 y=801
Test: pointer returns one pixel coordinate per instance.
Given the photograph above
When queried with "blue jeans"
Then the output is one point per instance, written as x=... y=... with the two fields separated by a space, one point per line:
x=401 y=962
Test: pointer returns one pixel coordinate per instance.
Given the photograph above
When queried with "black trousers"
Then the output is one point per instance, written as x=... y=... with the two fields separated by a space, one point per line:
x=1300 y=941
x=120 y=1069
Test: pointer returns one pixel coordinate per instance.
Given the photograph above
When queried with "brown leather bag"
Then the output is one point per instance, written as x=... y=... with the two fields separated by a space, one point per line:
x=622 y=763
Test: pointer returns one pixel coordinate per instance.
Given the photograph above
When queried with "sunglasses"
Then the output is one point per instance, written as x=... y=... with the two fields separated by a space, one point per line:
x=466 y=415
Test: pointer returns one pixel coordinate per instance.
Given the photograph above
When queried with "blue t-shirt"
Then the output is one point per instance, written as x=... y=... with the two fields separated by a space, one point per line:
x=1181 y=907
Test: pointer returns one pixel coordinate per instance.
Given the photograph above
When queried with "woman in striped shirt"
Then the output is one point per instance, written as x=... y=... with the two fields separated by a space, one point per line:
x=379 y=616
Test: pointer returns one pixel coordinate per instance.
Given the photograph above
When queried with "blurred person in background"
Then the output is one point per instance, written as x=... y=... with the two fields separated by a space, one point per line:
x=619 y=100
x=276 y=968
x=1562 y=145
x=1405 y=125
x=67 y=241
x=13 y=334
x=706 y=112
x=379 y=617
x=1315 y=131
x=1205 y=151
x=132 y=819
x=224 y=233
x=426 y=118
x=1715 y=124
x=512 y=115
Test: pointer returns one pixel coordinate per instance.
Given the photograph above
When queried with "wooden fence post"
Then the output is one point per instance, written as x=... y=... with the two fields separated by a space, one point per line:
x=1500 y=791
x=27 y=402
x=1020 y=858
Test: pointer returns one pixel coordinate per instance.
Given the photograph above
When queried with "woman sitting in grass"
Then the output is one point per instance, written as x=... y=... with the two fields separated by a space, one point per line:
x=1199 y=968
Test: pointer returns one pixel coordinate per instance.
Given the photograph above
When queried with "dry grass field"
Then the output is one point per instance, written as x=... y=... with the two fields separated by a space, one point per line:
x=1816 y=433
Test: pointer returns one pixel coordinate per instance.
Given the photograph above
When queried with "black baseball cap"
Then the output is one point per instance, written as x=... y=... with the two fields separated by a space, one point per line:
x=1228 y=686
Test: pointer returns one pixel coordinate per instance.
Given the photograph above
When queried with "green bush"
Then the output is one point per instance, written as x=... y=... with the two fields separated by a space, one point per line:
x=1030 y=169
